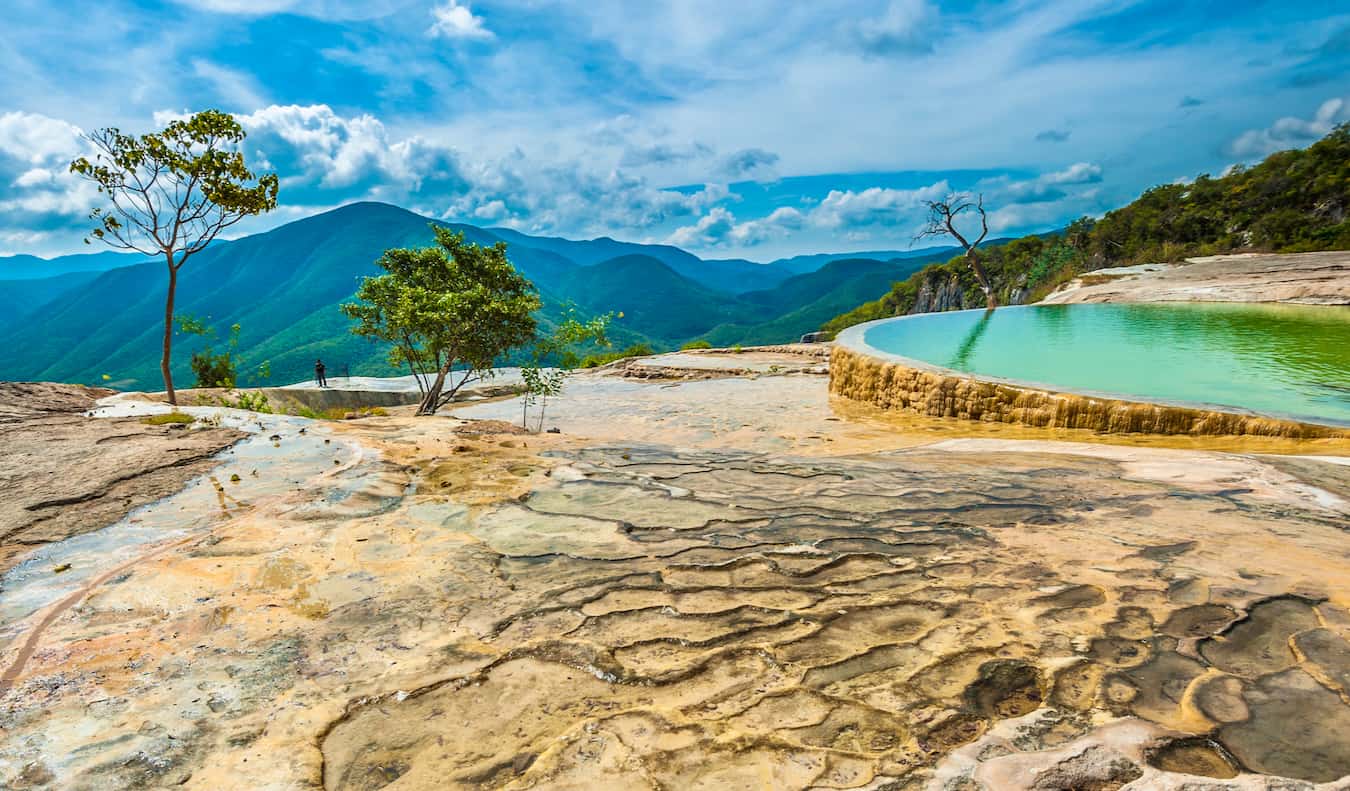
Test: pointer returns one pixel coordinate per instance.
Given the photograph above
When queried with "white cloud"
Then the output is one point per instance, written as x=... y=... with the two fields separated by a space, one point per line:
x=37 y=139
x=904 y=26
x=1291 y=132
x=237 y=88
x=718 y=228
x=453 y=20
x=315 y=148
x=873 y=206
x=1077 y=173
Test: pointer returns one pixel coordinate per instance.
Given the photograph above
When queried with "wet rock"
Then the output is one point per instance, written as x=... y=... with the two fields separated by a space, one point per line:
x=1199 y=620
x=1006 y=688
x=1260 y=643
x=1296 y=729
x=1194 y=756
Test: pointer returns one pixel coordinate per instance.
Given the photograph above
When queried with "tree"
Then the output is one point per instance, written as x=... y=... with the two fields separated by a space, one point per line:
x=171 y=193
x=942 y=222
x=560 y=347
x=453 y=306
x=211 y=369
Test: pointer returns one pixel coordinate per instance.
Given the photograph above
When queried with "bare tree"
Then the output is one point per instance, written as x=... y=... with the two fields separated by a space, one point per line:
x=942 y=222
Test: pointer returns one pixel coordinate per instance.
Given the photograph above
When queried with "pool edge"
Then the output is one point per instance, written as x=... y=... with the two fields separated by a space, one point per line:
x=889 y=381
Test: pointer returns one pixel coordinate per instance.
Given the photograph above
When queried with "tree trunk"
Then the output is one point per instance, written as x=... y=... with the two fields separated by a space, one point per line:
x=168 y=332
x=983 y=279
x=431 y=400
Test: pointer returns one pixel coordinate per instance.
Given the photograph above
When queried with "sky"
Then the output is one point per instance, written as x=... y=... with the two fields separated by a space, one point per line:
x=732 y=128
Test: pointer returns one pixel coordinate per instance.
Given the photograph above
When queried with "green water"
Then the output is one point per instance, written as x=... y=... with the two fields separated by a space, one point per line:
x=1287 y=360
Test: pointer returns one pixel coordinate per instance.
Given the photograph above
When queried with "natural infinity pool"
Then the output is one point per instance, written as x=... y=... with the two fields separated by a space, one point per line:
x=1287 y=360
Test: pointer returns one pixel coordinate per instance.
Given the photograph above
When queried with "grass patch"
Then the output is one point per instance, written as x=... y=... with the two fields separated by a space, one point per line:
x=165 y=419
x=341 y=413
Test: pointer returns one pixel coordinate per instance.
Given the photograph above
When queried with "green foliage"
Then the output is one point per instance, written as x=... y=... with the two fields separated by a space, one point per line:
x=1294 y=201
x=166 y=418
x=698 y=344
x=635 y=350
x=561 y=345
x=453 y=306
x=172 y=192
x=211 y=369
x=255 y=401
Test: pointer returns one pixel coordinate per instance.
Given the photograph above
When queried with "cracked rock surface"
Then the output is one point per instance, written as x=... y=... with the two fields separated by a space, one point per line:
x=457 y=606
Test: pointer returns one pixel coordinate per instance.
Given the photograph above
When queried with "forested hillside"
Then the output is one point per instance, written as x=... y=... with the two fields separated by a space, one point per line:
x=284 y=287
x=1293 y=201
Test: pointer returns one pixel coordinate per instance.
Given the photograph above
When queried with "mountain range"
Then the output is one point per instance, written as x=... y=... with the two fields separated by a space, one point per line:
x=97 y=318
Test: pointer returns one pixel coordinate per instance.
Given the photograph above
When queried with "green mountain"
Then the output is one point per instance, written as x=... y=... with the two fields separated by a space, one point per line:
x=22 y=298
x=1293 y=201
x=30 y=267
x=283 y=288
x=802 y=303
x=654 y=299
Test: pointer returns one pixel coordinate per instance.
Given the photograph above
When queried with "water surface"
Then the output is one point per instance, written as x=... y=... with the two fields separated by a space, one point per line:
x=1287 y=360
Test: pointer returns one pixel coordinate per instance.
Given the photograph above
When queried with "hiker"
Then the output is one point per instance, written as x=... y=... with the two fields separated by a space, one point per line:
x=319 y=373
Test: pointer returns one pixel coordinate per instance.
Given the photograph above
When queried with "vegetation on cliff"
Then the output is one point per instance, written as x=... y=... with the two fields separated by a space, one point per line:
x=1293 y=201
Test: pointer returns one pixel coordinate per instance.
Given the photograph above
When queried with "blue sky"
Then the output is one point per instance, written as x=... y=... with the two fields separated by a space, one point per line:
x=749 y=128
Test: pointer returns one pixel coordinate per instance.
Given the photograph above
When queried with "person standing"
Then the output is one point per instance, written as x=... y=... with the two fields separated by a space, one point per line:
x=319 y=373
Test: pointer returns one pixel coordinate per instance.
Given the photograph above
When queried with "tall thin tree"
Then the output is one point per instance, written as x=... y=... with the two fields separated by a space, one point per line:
x=171 y=193
x=942 y=222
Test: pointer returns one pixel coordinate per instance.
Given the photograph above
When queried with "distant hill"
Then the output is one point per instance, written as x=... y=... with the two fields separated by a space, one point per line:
x=802 y=303
x=283 y=288
x=1293 y=201
x=22 y=298
x=30 y=267
x=655 y=299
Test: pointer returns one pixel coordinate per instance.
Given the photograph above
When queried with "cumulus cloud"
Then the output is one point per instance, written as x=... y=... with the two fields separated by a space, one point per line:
x=1291 y=132
x=874 y=206
x=718 y=228
x=39 y=192
x=454 y=20
x=315 y=149
x=1077 y=173
x=749 y=163
x=847 y=213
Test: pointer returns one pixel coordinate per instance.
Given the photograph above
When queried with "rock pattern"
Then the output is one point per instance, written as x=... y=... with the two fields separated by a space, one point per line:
x=472 y=609
x=937 y=393
x=63 y=473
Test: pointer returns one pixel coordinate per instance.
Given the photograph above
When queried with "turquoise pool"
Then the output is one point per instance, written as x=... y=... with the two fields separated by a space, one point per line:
x=1282 y=360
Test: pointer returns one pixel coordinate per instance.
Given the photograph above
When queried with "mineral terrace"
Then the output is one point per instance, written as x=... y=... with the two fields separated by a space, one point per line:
x=700 y=583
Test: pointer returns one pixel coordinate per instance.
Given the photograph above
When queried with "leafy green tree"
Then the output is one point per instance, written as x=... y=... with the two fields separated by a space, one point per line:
x=211 y=369
x=170 y=193
x=561 y=347
x=454 y=306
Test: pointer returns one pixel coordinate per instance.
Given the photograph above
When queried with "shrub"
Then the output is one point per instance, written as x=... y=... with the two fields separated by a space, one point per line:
x=698 y=344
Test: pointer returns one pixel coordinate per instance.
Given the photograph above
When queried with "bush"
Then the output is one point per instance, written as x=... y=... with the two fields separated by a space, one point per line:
x=253 y=402
x=698 y=344
x=605 y=358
